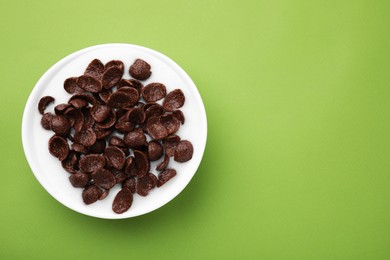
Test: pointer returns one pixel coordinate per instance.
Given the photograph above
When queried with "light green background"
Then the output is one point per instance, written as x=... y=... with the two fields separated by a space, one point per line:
x=297 y=162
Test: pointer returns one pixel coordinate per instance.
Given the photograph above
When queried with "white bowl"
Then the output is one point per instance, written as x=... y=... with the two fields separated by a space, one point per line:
x=48 y=170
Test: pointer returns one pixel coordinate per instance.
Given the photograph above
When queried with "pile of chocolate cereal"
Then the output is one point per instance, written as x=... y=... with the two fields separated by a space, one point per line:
x=112 y=128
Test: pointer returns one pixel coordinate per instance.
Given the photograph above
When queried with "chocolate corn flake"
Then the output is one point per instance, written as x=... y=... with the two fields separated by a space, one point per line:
x=165 y=176
x=174 y=100
x=154 y=92
x=91 y=162
x=43 y=103
x=95 y=69
x=111 y=77
x=58 y=147
x=140 y=69
x=163 y=164
x=122 y=201
x=89 y=83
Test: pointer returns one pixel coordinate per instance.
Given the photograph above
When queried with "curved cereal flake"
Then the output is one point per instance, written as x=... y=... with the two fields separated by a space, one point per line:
x=44 y=102
x=140 y=69
x=79 y=179
x=179 y=115
x=153 y=110
x=130 y=184
x=105 y=95
x=70 y=86
x=46 y=120
x=79 y=148
x=137 y=116
x=115 y=157
x=104 y=194
x=123 y=125
x=131 y=83
x=58 y=147
x=171 y=123
x=89 y=84
x=109 y=122
x=141 y=163
x=88 y=119
x=77 y=117
x=78 y=103
x=101 y=133
x=183 y=151
x=71 y=162
x=120 y=175
x=157 y=130
x=114 y=63
x=91 y=194
x=91 y=162
x=103 y=178
x=120 y=99
x=60 y=125
x=86 y=137
x=122 y=201
x=145 y=184
x=134 y=139
x=155 y=150
x=95 y=69
x=61 y=108
x=174 y=100
x=116 y=141
x=153 y=92
x=85 y=96
x=163 y=164
x=170 y=143
x=165 y=176
x=111 y=77
x=100 y=112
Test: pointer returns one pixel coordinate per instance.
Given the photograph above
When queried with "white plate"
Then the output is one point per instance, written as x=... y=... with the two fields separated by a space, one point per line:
x=47 y=169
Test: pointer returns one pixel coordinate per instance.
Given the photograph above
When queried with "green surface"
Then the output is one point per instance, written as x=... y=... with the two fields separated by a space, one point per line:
x=297 y=161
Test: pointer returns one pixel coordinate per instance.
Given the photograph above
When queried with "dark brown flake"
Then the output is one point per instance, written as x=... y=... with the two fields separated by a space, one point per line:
x=46 y=120
x=140 y=69
x=79 y=179
x=103 y=178
x=60 y=125
x=70 y=86
x=58 y=147
x=114 y=63
x=86 y=137
x=145 y=184
x=174 y=100
x=134 y=139
x=153 y=92
x=91 y=162
x=122 y=201
x=91 y=194
x=130 y=183
x=100 y=112
x=171 y=123
x=43 y=103
x=115 y=157
x=165 y=176
x=89 y=84
x=70 y=164
x=95 y=69
x=111 y=77
x=183 y=151
x=163 y=164
x=155 y=150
